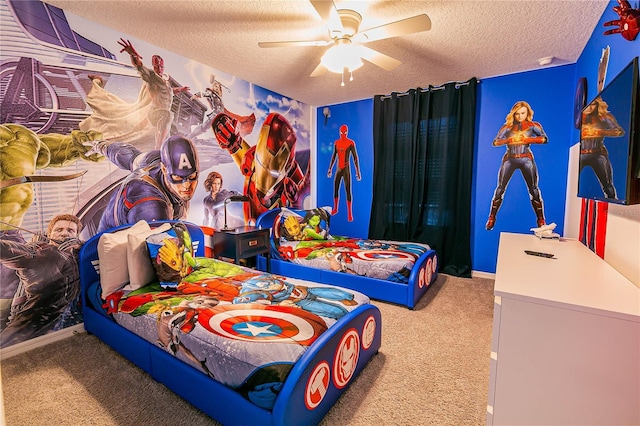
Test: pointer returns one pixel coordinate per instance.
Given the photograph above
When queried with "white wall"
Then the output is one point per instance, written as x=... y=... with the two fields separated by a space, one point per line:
x=622 y=247
x=622 y=243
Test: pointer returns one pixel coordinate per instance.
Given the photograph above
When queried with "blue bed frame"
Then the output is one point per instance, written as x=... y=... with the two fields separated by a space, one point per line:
x=216 y=400
x=423 y=274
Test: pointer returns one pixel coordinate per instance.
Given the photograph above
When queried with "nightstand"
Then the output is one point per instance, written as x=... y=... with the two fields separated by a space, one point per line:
x=242 y=243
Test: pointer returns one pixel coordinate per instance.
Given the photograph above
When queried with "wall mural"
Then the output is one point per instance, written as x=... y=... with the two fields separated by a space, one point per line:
x=91 y=139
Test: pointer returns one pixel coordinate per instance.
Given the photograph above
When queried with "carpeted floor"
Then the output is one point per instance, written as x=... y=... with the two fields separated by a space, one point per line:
x=432 y=369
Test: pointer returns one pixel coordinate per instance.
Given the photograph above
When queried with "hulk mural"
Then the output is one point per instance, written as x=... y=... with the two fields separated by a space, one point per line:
x=23 y=266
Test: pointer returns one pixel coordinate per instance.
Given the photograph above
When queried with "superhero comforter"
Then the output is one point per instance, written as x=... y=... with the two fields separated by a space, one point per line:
x=244 y=328
x=387 y=260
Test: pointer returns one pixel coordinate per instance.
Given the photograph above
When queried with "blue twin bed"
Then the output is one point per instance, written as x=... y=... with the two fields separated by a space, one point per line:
x=390 y=271
x=243 y=346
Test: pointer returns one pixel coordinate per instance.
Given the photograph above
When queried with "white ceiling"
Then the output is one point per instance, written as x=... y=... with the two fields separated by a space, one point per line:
x=468 y=39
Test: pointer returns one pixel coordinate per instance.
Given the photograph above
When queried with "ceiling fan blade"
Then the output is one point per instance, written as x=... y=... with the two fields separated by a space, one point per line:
x=411 y=25
x=295 y=43
x=380 y=59
x=329 y=14
x=320 y=70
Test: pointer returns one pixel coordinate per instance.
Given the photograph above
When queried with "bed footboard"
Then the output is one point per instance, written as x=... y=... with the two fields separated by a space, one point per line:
x=327 y=369
x=423 y=274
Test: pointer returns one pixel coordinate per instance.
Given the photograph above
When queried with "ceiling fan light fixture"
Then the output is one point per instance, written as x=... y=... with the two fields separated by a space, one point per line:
x=346 y=50
x=341 y=56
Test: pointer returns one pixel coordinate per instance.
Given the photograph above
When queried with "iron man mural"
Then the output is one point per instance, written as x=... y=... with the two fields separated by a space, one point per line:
x=273 y=177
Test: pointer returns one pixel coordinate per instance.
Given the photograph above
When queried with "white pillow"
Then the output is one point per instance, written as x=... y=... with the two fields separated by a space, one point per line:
x=112 y=252
x=141 y=270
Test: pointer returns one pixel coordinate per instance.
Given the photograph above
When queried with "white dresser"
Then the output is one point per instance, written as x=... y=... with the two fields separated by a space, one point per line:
x=566 y=338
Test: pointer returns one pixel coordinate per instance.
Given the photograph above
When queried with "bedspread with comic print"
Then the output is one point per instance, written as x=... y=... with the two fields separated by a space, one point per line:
x=244 y=328
x=387 y=260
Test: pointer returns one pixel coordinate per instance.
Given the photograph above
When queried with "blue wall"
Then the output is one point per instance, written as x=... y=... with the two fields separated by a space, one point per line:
x=549 y=91
x=358 y=117
x=622 y=51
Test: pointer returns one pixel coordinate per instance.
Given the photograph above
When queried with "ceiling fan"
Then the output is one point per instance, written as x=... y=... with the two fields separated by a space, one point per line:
x=346 y=41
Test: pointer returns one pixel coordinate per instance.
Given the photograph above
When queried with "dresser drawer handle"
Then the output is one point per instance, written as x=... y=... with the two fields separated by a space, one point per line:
x=253 y=243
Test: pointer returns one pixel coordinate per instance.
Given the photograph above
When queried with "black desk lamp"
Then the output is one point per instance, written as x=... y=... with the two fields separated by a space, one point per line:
x=232 y=199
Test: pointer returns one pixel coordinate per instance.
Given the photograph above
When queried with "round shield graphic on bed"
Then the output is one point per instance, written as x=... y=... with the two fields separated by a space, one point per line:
x=251 y=322
x=375 y=255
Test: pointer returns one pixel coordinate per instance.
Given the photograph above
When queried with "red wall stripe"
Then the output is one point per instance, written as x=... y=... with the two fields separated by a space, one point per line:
x=593 y=225
x=601 y=227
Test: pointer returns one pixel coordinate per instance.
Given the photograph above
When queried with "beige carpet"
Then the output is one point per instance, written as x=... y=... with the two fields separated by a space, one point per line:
x=432 y=369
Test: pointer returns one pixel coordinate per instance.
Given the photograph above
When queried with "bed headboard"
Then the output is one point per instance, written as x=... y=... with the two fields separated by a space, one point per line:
x=88 y=258
x=265 y=220
x=272 y=219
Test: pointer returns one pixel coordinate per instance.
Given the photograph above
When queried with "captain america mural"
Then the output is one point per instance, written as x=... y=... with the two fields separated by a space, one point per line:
x=117 y=172
x=161 y=184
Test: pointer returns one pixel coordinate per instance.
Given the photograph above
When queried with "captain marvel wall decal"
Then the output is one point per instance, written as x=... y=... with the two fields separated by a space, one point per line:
x=517 y=134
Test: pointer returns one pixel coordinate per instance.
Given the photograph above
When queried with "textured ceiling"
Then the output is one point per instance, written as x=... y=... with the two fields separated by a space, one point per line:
x=467 y=39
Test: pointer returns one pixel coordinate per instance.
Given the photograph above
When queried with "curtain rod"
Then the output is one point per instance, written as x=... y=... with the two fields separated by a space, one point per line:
x=432 y=88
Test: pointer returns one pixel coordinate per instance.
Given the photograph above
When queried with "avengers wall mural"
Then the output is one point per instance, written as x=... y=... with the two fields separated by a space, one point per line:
x=98 y=129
